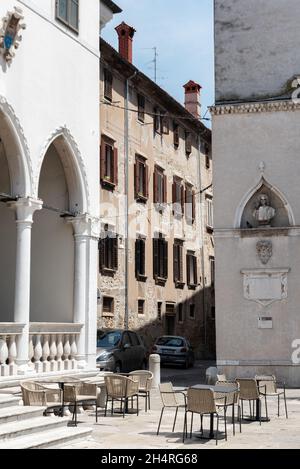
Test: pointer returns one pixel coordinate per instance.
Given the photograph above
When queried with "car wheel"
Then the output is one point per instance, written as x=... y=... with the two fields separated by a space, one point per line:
x=118 y=367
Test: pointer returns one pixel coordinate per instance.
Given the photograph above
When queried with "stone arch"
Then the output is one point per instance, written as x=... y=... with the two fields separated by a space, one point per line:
x=284 y=214
x=73 y=164
x=17 y=151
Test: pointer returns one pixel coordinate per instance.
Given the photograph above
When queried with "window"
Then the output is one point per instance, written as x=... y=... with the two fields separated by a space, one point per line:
x=188 y=143
x=141 y=185
x=178 y=197
x=159 y=186
x=108 y=81
x=159 y=310
x=178 y=263
x=134 y=339
x=191 y=267
x=108 y=306
x=190 y=201
x=108 y=163
x=160 y=260
x=180 y=313
x=67 y=11
x=176 y=134
x=108 y=252
x=141 y=306
x=212 y=271
x=192 y=311
x=213 y=313
x=141 y=108
x=209 y=214
x=140 y=255
x=207 y=158
x=161 y=122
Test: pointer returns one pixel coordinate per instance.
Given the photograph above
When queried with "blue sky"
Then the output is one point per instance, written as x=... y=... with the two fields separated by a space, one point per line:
x=182 y=31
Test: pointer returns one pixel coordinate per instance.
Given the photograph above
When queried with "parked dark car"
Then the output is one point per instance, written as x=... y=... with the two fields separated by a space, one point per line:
x=120 y=351
x=174 y=350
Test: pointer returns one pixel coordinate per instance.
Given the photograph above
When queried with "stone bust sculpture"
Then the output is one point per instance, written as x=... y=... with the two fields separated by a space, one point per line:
x=263 y=212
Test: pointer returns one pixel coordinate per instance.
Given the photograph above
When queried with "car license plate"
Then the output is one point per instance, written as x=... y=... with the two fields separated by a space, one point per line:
x=168 y=352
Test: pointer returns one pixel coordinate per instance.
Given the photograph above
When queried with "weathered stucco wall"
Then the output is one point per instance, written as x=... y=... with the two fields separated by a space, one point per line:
x=252 y=60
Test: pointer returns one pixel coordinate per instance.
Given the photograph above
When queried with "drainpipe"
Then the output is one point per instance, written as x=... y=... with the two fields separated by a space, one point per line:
x=126 y=174
x=202 y=235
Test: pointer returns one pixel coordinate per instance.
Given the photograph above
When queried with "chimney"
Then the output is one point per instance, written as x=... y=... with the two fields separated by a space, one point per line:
x=125 y=34
x=192 y=98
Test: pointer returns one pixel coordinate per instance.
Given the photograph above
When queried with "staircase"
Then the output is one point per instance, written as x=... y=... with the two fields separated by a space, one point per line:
x=26 y=427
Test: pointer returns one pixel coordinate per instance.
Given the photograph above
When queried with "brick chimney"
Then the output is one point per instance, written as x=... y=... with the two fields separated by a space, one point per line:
x=125 y=34
x=192 y=98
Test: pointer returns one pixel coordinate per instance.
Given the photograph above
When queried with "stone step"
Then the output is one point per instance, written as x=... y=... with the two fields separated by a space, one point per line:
x=33 y=425
x=48 y=439
x=7 y=400
x=15 y=413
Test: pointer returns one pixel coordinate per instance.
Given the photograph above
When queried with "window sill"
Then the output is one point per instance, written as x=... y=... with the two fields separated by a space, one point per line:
x=141 y=198
x=108 y=272
x=192 y=287
x=67 y=25
x=108 y=184
x=107 y=315
x=179 y=285
x=141 y=278
x=160 y=281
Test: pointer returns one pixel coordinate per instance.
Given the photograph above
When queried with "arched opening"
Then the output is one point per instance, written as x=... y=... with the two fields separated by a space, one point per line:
x=52 y=270
x=281 y=213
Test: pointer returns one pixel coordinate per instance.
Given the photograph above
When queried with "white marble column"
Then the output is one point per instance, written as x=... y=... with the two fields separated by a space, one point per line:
x=24 y=210
x=85 y=279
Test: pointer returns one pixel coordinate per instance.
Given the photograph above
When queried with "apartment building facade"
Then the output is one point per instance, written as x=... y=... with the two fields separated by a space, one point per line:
x=156 y=252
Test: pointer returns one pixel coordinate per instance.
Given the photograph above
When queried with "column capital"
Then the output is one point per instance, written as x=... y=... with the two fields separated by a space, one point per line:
x=25 y=208
x=85 y=225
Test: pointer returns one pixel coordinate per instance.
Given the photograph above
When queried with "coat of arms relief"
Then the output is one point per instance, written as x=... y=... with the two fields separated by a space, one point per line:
x=10 y=37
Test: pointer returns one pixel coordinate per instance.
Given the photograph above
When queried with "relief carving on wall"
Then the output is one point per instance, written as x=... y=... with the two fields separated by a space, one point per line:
x=263 y=212
x=264 y=250
x=10 y=37
x=265 y=286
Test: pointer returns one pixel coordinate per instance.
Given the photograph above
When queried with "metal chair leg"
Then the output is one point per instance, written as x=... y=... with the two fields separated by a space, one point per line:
x=233 y=420
x=149 y=400
x=225 y=421
x=191 y=431
x=184 y=433
x=175 y=420
x=266 y=405
x=96 y=411
x=217 y=432
x=137 y=403
x=240 y=417
x=106 y=406
x=285 y=405
x=161 y=414
x=201 y=429
x=278 y=405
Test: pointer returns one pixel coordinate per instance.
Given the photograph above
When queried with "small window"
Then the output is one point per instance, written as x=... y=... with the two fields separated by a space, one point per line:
x=108 y=82
x=178 y=197
x=191 y=270
x=141 y=183
x=141 y=307
x=188 y=143
x=160 y=260
x=108 y=306
x=108 y=252
x=178 y=263
x=209 y=214
x=207 y=158
x=161 y=122
x=159 y=186
x=108 y=164
x=159 y=310
x=192 y=311
x=140 y=259
x=176 y=135
x=180 y=313
x=67 y=11
x=190 y=207
x=212 y=271
x=141 y=108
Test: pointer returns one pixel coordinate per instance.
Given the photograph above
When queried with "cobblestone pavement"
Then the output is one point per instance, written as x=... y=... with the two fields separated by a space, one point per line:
x=113 y=432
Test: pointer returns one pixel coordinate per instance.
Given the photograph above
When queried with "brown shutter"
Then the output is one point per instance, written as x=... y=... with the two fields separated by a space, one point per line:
x=182 y=199
x=101 y=254
x=165 y=190
x=143 y=256
x=136 y=179
x=146 y=181
x=180 y=264
x=137 y=257
x=188 y=277
x=165 y=260
x=174 y=193
x=193 y=206
x=155 y=257
x=102 y=159
x=175 y=263
x=195 y=270
x=155 y=195
x=115 y=168
x=165 y=125
x=115 y=253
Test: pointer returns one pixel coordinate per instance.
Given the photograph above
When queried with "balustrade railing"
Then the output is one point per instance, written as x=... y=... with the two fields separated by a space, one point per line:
x=9 y=333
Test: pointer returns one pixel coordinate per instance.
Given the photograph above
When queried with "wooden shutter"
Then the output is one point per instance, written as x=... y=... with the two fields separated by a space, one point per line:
x=165 y=190
x=156 y=120
x=165 y=259
x=182 y=199
x=188 y=277
x=155 y=257
x=143 y=256
x=175 y=262
x=101 y=246
x=155 y=187
x=102 y=159
x=193 y=206
x=176 y=135
x=137 y=257
x=195 y=270
x=165 y=125
x=146 y=180
x=180 y=261
x=174 y=192
x=115 y=244
x=136 y=179
x=115 y=168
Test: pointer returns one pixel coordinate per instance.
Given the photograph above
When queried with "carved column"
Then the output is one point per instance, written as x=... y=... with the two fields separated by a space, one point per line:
x=24 y=210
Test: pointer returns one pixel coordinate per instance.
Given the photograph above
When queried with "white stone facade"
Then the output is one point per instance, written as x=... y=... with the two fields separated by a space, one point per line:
x=49 y=159
x=256 y=151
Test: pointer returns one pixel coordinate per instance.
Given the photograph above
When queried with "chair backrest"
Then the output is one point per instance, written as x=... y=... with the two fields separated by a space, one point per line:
x=231 y=397
x=221 y=378
x=267 y=383
x=248 y=388
x=32 y=394
x=118 y=386
x=201 y=401
x=211 y=375
x=167 y=394
x=144 y=377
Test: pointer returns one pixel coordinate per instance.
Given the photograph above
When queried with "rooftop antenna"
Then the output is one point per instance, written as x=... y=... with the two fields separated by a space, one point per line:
x=154 y=61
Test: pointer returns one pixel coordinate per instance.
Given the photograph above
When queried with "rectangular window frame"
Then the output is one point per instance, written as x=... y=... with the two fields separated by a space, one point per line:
x=180 y=313
x=191 y=270
x=209 y=213
x=66 y=21
x=178 y=263
x=141 y=107
x=159 y=310
x=141 y=164
x=188 y=143
x=178 y=197
x=160 y=260
x=192 y=307
x=108 y=179
x=176 y=135
x=190 y=203
x=141 y=307
x=111 y=312
x=108 y=84
x=108 y=252
x=159 y=187
x=140 y=259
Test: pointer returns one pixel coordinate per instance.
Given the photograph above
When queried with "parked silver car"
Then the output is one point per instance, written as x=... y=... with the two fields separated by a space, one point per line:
x=174 y=350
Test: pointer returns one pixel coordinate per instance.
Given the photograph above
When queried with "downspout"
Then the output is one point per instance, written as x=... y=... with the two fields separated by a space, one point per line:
x=202 y=236
x=126 y=174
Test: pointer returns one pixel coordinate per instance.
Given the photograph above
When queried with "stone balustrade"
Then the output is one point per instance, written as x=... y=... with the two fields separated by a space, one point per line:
x=52 y=347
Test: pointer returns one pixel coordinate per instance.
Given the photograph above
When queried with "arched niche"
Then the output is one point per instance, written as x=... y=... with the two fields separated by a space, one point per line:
x=283 y=214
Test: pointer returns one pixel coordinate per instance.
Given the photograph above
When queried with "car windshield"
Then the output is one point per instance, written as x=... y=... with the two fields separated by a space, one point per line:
x=170 y=341
x=109 y=340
